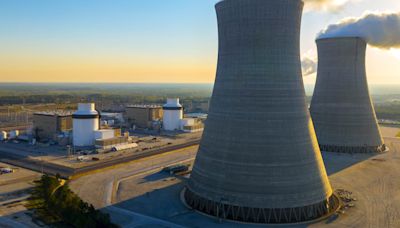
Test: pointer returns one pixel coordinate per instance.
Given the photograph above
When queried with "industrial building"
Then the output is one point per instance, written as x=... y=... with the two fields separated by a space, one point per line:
x=173 y=118
x=173 y=114
x=48 y=125
x=259 y=159
x=341 y=107
x=85 y=122
x=143 y=116
x=190 y=125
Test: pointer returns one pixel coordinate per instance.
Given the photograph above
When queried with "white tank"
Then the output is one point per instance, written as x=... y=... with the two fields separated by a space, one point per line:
x=14 y=134
x=3 y=136
x=173 y=113
x=85 y=123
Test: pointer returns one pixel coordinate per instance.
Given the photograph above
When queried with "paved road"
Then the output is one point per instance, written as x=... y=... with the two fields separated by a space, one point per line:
x=10 y=223
x=66 y=172
x=95 y=188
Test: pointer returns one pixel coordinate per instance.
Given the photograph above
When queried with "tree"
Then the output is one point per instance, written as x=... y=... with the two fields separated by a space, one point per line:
x=54 y=202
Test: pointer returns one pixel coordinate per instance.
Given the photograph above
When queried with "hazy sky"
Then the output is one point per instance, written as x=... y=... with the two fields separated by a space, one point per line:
x=142 y=40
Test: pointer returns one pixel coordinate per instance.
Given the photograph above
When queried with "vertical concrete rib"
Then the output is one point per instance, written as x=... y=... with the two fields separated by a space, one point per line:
x=341 y=108
x=259 y=159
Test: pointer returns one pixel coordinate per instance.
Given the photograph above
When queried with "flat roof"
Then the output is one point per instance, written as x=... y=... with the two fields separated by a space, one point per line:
x=54 y=113
x=144 y=106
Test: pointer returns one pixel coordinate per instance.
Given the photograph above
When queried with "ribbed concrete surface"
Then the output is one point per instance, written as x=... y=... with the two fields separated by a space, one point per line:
x=341 y=107
x=259 y=147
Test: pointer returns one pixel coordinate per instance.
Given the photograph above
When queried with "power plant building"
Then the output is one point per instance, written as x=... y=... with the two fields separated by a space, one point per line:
x=143 y=116
x=85 y=122
x=341 y=107
x=47 y=125
x=259 y=159
x=173 y=115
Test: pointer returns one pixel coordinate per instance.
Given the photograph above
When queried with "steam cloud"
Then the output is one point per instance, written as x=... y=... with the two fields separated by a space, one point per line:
x=327 y=5
x=381 y=30
x=309 y=64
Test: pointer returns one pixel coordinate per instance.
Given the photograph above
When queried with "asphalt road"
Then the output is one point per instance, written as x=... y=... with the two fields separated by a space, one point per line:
x=95 y=188
x=66 y=172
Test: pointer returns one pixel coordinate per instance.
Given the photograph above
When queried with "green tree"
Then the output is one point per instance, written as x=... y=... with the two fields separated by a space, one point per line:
x=54 y=202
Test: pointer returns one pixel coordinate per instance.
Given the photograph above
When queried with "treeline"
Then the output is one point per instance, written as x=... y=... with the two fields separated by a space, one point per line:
x=390 y=111
x=55 y=204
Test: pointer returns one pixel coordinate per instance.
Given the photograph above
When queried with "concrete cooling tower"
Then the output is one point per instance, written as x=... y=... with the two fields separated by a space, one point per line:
x=259 y=159
x=341 y=107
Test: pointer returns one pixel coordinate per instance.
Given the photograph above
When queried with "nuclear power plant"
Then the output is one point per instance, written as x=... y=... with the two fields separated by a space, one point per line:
x=259 y=159
x=341 y=107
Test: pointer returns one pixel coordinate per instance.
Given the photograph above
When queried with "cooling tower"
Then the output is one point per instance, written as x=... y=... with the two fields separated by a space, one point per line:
x=258 y=159
x=341 y=107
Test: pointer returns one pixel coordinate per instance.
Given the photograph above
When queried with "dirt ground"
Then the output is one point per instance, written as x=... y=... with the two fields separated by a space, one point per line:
x=371 y=180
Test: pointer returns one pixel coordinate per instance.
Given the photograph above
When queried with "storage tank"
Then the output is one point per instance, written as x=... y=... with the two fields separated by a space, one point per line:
x=3 y=135
x=85 y=123
x=259 y=159
x=341 y=107
x=173 y=114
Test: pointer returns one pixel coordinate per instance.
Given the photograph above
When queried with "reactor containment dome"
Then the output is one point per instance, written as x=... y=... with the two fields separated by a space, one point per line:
x=341 y=107
x=172 y=114
x=259 y=159
x=85 y=121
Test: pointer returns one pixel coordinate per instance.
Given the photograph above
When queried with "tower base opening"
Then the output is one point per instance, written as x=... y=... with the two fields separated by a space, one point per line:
x=222 y=210
x=353 y=149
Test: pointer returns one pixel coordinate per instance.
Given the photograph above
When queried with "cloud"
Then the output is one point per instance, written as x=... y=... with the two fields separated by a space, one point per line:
x=327 y=5
x=309 y=63
x=381 y=30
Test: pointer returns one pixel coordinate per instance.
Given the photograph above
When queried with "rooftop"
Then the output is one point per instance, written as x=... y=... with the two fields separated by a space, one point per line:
x=144 y=106
x=62 y=113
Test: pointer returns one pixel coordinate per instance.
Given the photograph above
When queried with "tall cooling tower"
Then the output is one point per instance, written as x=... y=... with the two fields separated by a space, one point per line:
x=259 y=159
x=341 y=107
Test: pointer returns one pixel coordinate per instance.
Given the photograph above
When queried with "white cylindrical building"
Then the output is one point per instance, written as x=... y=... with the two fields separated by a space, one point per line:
x=85 y=123
x=173 y=114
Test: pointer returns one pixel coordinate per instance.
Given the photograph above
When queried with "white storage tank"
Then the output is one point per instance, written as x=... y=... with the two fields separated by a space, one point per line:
x=85 y=122
x=173 y=114
x=14 y=134
x=3 y=136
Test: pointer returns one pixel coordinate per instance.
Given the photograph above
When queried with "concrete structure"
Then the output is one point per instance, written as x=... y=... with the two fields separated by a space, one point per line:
x=341 y=108
x=85 y=123
x=47 y=125
x=104 y=134
x=143 y=116
x=191 y=125
x=173 y=114
x=258 y=159
x=3 y=135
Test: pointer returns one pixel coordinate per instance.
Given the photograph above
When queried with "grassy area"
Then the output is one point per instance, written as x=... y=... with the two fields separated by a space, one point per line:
x=398 y=135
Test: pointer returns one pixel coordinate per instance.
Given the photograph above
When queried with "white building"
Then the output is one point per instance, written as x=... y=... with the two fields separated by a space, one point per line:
x=85 y=122
x=173 y=114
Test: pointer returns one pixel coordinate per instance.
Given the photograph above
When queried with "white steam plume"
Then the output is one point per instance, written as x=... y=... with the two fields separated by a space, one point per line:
x=380 y=30
x=327 y=5
x=309 y=63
